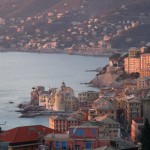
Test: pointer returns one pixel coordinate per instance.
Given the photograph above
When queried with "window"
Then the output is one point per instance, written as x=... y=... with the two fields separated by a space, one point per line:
x=88 y=145
x=94 y=131
x=64 y=145
x=57 y=144
x=79 y=132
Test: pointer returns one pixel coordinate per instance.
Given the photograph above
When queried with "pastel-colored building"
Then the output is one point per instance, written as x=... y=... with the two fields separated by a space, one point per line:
x=102 y=106
x=86 y=98
x=61 y=99
x=145 y=65
x=78 y=138
x=137 y=61
x=43 y=99
x=145 y=61
x=132 y=65
x=62 y=123
x=65 y=99
x=133 y=108
x=107 y=126
x=136 y=127
x=143 y=82
x=89 y=95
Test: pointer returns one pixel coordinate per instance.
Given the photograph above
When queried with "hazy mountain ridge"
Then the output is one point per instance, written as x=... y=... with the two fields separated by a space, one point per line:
x=22 y=8
x=41 y=24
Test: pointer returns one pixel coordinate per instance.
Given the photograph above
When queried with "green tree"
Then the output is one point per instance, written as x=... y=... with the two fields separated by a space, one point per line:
x=145 y=139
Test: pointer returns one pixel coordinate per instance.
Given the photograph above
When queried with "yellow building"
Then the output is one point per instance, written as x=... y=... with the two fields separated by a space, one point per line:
x=61 y=99
x=43 y=99
x=64 y=99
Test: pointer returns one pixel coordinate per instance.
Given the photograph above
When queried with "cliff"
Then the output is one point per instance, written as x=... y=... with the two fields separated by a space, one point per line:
x=107 y=77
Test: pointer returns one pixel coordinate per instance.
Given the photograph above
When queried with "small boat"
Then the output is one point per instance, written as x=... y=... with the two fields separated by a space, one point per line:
x=11 y=102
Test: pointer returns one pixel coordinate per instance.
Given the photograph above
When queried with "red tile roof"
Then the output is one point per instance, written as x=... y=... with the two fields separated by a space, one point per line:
x=25 y=134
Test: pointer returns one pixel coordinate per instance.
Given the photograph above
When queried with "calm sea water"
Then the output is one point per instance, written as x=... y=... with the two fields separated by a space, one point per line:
x=19 y=72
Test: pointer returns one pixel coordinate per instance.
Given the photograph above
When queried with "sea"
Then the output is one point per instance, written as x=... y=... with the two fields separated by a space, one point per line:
x=20 y=71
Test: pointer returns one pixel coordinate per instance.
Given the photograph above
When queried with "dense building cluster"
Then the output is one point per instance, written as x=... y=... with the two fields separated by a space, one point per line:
x=96 y=119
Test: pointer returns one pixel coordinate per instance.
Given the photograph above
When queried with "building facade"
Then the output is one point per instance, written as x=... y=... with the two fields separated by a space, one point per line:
x=137 y=62
x=61 y=99
x=64 y=99
x=136 y=127
x=23 y=138
x=133 y=108
x=146 y=106
x=132 y=65
x=78 y=138
x=102 y=106
x=143 y=82
x=62 y=123
x=108 y=126
x=86 y=98
x=145 y=65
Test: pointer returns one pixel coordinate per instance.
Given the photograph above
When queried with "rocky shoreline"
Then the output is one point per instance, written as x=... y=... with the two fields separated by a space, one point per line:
x=30 y=111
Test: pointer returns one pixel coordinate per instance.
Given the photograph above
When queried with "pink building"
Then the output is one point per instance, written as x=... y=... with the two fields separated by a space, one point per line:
x=78 y=138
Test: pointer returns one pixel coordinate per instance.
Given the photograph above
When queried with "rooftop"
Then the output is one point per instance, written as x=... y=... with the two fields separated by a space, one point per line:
x=106 y=120
x=123 y=144
x=139 y=120
x=104 y=104
x=58 y=117
x=25 y=134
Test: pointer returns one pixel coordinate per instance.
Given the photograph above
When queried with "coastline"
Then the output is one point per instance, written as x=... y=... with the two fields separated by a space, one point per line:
x=51 y=51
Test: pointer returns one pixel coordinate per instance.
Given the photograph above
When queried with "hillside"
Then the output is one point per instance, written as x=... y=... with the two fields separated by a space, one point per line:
x=139 y=35
x=21 y=8
x=87 y=27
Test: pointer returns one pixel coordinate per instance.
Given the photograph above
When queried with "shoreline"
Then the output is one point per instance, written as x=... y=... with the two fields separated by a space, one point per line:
x=54 y=51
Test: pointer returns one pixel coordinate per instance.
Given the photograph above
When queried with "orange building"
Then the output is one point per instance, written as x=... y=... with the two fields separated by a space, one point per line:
x=136 y=127
x=132 y=65
x=135 y=63
x=61 y=123
x=145 y=65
